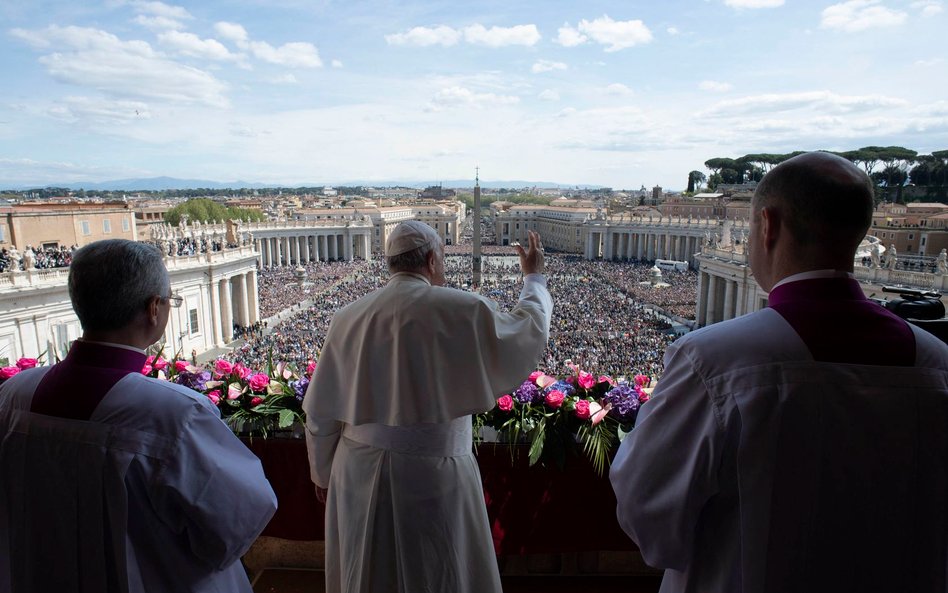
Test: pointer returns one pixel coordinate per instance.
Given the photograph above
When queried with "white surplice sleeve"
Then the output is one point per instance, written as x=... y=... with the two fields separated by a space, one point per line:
x=213 y=490
x=322 y=436
x=666 y=468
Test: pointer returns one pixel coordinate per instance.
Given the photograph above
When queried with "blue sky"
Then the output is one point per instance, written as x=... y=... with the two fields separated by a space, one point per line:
x=618 y=93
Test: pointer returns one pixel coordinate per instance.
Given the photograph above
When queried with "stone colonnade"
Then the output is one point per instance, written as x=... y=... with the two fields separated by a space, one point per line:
x=235 y=300
x=644 y=245
x=284 y=250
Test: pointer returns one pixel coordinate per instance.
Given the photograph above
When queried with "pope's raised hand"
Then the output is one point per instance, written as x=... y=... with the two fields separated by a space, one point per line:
x=531 y=259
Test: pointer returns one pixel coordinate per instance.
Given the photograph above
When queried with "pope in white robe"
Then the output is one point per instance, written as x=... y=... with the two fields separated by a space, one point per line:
x=389 y=427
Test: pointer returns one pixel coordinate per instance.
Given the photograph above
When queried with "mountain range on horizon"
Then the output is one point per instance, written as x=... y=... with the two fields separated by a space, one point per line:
x=173 y=183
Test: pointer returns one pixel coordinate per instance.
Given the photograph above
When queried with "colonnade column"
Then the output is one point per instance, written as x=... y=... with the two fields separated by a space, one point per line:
x=243 y=302
x=227 y=311
x=306 y=248
x=712 y=314
x=216 y=314
x=347 y=251
x=254 y=296
x=729 y=290
x=278 y=251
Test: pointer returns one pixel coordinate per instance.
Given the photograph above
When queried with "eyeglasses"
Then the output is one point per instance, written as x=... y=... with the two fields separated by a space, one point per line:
x=174 y=300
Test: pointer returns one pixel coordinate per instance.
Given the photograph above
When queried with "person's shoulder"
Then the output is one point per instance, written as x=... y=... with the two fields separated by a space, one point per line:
x=930 y=351
x=169 y=394
x=750 y=327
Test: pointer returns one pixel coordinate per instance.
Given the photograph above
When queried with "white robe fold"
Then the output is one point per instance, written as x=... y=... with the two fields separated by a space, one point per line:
x=388 y=432
x=153 y=493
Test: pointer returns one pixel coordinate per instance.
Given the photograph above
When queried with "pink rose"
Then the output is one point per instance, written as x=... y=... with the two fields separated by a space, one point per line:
x=643 y=397
x=150 y=360
x=582 y=409
x=586 y=380
x=214 y=396
x=242 y=371
x=7 y=372
x=310 y=368
x=223 y=367
x=642 y=380
x=605 y=379
x=160 y=364
x=535 y=374
x=26 y=363
x=180 y=365
x=554 y=399
x=505 y=403
x=146 y=370
x=258 y=382
x=256 y=401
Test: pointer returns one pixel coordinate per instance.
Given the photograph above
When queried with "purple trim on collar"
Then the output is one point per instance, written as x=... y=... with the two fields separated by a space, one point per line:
x=816 y=289
x=839 y=324
x=74 y=387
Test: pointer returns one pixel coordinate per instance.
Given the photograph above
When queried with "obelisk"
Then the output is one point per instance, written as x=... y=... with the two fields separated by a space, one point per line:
x=476 y=222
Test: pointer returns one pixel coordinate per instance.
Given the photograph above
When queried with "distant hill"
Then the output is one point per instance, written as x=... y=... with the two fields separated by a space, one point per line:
x=164 y=183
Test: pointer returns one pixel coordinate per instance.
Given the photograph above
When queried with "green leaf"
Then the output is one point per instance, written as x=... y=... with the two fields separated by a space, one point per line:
x=286 y=418
x=536 y=442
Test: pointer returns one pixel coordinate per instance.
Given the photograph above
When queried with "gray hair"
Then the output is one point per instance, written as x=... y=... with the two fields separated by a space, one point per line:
x=410 y=261
x=111 y=281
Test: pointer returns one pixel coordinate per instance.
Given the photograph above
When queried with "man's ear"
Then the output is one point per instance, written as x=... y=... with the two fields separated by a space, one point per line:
x=769 y=227
x=431 y=261
x=154 y=310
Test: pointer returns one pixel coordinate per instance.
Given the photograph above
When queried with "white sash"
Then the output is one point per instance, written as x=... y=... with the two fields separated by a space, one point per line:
x=449 y=439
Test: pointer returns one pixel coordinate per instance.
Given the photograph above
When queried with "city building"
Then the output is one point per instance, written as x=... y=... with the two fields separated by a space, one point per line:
x=64 y=224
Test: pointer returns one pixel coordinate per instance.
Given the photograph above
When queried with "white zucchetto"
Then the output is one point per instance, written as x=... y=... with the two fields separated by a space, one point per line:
x=410 y=235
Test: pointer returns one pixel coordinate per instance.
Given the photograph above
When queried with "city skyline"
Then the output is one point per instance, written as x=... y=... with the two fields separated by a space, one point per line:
x=603 y=93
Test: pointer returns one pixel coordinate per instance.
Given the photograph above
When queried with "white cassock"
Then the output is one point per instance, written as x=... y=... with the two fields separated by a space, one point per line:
x=696 y=483
x=154 y=486
x=389 y=431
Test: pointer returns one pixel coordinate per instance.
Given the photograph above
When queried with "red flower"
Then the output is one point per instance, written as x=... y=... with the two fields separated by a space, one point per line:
x=7 y=372
x=160 y=364
x=26 y=363
x=555 y=398
x=256 y=401
x=146 y=370
x=310 y=368
x=180 y=365
x=582 y=409
x=258 y=382
x=505 y=403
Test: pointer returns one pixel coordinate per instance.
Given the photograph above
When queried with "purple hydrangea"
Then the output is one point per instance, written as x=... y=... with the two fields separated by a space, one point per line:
x=625 y=402
x=562 y=386
x=299 y=388
x=528 y=392
x=196 y=381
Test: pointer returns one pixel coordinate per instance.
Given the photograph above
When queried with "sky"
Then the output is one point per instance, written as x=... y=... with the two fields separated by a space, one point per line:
x=614 y=93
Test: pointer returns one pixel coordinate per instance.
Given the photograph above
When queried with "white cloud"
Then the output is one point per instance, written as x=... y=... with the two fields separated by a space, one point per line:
x=477 y=34
x=824 y=101
x=336 y=64
x=567 y=36
x=97 y=59
x=163 y=10
x=615 y=35
x=753 y=3
x=714 y=86
x=425 y=36
x=617 y=89
x=297 y=54
x=928 y=7
x=672 y=30
x=285 y=79
x=547 y=66
x=232 y=31
x=928 y=63
x=158 y=23
x=190 y=44
x=457 y=96
x=859 y=15
x=101 y=110
x=549 y=95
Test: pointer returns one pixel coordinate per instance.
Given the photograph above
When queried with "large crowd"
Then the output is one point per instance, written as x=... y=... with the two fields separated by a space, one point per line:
x=47 y=257
x=603 y=320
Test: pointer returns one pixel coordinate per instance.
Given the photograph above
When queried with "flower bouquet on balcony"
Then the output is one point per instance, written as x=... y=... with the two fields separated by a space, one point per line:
x=553 y=415
x=251 y=402
x=7 y=370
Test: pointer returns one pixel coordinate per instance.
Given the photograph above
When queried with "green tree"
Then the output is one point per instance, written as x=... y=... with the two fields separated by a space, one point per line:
x=204 y=210
x=695 y=179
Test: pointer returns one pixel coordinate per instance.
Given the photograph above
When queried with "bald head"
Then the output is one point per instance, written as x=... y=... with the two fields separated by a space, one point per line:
x=823 y=200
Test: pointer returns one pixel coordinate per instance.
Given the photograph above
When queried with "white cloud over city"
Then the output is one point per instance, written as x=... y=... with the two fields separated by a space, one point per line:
x=617 y=94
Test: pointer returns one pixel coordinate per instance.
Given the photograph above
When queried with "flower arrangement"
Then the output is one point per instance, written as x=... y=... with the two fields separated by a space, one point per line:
x=20 y=365
x=553 y=414
x=250 y=401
